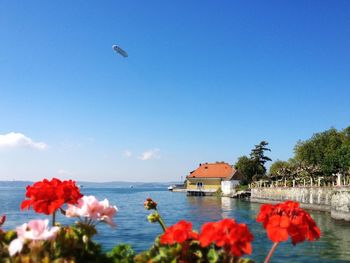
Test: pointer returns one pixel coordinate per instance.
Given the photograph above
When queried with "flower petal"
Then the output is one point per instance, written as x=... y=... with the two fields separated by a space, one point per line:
x=15 y=246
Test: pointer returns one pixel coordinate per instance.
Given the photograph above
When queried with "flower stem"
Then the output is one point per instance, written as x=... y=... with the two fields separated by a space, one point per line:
x=62 y=211
x=53 y=218
x=161 y=222
x=272 y=250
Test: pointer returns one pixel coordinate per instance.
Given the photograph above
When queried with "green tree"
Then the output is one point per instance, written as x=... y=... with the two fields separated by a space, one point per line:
x=329 y=151
x=258 y=156
x=279 y=169
x=247 y=167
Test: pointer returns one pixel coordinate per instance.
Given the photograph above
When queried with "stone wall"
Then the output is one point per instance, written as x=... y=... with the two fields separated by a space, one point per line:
x=335 y=200
x=340 y=204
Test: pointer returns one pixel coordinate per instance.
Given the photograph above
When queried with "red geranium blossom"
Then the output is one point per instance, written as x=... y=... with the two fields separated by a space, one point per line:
x=233 y=237
x=48 y=196
x=287 y=219
x=180 y=232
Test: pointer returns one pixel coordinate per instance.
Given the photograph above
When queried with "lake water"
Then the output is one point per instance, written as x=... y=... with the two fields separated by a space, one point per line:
x=133 y=227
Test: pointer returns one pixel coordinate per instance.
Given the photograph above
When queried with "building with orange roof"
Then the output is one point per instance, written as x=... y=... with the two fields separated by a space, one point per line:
x=208 y=177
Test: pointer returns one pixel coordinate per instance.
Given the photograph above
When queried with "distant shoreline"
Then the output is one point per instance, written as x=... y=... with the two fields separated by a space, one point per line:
x=114 y=184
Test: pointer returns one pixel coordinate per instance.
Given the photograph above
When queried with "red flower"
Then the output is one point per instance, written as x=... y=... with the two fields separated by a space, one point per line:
x=286 y=220
x=180 y=232
x=233 y=237
x=48 y=196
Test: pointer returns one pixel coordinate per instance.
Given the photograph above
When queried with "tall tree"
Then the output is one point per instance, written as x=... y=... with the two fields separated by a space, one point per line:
x=258 y=156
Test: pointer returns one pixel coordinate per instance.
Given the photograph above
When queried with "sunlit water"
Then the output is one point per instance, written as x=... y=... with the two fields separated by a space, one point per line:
x=133 y=227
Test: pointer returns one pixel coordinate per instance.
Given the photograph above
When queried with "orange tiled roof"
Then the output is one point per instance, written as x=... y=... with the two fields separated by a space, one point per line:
x=213 y=170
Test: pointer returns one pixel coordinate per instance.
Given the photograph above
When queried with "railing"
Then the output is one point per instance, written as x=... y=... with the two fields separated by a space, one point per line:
x=339 y=181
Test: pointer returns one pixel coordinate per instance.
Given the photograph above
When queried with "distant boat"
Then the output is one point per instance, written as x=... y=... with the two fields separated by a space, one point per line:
x=131 y=186
x=170 y=188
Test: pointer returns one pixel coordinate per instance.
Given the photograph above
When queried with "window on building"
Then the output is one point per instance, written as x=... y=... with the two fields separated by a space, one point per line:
x=199 y=184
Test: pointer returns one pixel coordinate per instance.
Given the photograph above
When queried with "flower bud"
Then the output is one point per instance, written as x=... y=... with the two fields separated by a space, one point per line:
x=153 y=218
x=2 y=219
x=149 y=204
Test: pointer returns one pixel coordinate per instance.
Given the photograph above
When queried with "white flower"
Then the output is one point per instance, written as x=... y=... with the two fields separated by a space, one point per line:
x=15 y=246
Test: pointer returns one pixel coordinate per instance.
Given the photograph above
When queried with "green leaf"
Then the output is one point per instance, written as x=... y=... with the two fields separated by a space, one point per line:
x=212 y=256
x=9 y=236
x=245 y=260
x=122 y=253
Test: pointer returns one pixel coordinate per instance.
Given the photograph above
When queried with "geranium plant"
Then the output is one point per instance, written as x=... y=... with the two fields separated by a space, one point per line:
x=222 y=241
x=285 y=220
x=227 y=240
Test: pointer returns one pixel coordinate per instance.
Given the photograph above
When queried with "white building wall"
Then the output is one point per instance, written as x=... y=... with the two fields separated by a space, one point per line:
x=228 y=187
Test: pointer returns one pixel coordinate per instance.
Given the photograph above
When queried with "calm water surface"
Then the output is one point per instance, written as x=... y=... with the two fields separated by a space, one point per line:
x=133 y=227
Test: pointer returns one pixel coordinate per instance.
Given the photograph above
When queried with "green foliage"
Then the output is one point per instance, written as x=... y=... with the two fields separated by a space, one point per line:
x=122 y=253
x=75 y=242
x=9 y=236
x=279 y=168
x=159 y=253
x=328 y=150
x=241 y=187
x=218 y=192
x=72 y=244
x=247 y=167
x=189 y=251
x=253 y=168
x=258 y=156
x=212 y=256
x=323 y=155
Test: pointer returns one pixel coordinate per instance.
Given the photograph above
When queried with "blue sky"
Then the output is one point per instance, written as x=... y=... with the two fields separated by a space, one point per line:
x=204 y=82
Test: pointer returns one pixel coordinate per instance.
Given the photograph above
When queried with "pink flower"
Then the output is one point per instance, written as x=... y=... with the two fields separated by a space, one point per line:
x=91 y=207
x=88 y=206
x=107 y=212
x=35 y=230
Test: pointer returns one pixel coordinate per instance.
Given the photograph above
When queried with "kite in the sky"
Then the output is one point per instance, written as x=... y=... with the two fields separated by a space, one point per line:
x=120 y=51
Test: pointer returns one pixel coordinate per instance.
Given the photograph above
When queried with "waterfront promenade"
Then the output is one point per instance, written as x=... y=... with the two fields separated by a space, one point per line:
x=333 y=198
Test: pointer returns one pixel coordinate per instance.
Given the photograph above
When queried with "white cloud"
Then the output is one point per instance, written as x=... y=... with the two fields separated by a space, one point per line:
x=19 y=140
x=127 y=153
x=150 y=154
